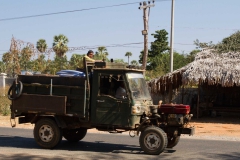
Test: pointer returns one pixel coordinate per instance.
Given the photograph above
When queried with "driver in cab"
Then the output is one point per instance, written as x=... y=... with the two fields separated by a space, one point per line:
x=121 y=91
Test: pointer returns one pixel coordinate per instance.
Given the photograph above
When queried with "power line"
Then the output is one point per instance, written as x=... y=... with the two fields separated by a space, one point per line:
x=113 y=45
x=79 y=10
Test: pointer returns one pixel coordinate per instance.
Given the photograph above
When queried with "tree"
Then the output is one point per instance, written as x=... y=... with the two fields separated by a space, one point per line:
x=2 y=67
x=134 y=62
x=229 y=44
x=101 y=53
x=40 y=64
x=41 y=45
x=25 y=56
x=60 y=45
x=128 y=54
x=191 y=56
x=76 y=61
x=7 y=59
x=119 y=61
x=202 y=45
x=157 y=49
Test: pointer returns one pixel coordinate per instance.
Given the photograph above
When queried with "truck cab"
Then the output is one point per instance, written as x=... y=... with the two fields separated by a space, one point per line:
x=111 y=112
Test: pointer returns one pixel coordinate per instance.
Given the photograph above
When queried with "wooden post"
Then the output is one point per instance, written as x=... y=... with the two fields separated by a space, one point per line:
x=198 y=99
x=170 y=93
x=182 y=93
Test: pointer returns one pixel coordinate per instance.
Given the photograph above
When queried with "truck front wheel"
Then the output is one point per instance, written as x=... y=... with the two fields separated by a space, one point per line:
x=153 y=140
x=74 y=135
x=47 y=134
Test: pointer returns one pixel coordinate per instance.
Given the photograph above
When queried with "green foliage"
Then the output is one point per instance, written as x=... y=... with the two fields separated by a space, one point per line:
x=101 y=53
x=158 y=62
x=229 y=44
x=24 y=59
x=76 y=61
x=157 y=50
x=119 y=61
x=39 y=64
x=5 y=103
x=60 y=45
x=134 y=62
x=128 y=54
x=191 y=56
x=202 y=45
x=7 y=59
x=2 y=67
x=41 y=45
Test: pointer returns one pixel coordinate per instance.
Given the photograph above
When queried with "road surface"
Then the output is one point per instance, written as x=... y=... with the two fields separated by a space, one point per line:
x=19 y=144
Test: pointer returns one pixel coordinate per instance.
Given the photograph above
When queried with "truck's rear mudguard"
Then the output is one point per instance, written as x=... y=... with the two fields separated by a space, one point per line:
x=34 y=103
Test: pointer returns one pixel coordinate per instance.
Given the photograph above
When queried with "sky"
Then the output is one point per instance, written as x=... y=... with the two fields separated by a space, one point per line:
x=206 y=20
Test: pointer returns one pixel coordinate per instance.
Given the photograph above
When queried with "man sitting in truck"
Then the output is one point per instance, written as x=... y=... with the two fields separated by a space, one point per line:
x=89 y=56
x=121 y=92
x=86 y=58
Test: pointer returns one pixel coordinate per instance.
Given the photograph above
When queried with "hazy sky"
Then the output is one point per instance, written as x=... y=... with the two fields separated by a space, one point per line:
x=206 y=20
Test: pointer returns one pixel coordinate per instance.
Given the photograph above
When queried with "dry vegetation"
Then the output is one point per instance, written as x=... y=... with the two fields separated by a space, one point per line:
x=5 y=103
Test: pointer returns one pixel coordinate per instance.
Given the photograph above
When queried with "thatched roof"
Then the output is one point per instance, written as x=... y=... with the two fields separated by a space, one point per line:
x=208 y=67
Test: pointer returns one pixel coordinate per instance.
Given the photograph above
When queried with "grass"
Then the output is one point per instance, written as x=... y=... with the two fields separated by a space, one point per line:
x=5 y=103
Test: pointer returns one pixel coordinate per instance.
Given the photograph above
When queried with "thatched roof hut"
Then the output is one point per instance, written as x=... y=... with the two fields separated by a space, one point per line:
x=208 y=67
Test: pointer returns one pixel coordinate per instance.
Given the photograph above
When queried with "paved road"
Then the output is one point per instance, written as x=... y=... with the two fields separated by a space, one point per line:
x=19 y=144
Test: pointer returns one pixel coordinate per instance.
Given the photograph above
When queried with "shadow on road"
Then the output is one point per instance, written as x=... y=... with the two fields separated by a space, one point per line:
x=97 y=146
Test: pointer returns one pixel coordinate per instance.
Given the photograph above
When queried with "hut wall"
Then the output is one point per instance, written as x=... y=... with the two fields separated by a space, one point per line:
x=188 y=94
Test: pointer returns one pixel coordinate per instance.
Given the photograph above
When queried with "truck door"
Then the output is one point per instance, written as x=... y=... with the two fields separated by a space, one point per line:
x=111 y=110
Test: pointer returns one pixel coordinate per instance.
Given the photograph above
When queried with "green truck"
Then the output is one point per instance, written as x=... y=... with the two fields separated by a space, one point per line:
x=67 y=106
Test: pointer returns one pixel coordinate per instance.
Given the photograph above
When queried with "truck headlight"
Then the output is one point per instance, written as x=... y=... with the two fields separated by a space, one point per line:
x=136 y=109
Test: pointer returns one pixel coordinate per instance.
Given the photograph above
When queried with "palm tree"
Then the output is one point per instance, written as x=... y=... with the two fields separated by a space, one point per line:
x=41 y=45
x=128 y=54
x=60 y=45
x=102 y=53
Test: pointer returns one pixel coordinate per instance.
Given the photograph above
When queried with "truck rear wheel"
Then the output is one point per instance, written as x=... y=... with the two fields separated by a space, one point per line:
x=153 y=140
x=47 y=134
x=74 y=135
x=173 y=141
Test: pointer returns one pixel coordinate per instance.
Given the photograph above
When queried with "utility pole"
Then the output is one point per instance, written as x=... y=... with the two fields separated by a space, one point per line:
x=172 y=37
x=145 y=7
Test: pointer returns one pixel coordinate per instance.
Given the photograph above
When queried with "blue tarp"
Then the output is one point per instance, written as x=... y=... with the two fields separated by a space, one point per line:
x=70 y=73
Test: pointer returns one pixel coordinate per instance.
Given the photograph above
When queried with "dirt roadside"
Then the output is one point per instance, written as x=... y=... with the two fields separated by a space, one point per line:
x=218 y=128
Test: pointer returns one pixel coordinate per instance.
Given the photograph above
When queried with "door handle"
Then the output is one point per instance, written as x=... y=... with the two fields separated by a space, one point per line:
x=100 y=101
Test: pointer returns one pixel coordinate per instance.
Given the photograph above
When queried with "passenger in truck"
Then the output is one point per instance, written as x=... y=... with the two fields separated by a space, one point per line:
x=89 y=56
x=121 y=91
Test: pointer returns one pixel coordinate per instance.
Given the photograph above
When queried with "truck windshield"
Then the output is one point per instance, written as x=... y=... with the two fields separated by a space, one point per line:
x=138 y=86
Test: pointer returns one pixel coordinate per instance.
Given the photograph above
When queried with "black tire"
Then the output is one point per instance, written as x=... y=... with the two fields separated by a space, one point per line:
x=173 y=141
x=74 y=135
x=153 y=140
x=18 y=89
x=47 y=134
